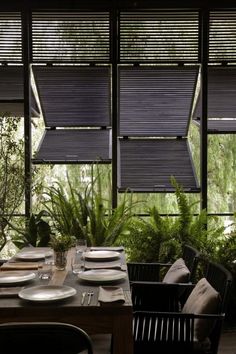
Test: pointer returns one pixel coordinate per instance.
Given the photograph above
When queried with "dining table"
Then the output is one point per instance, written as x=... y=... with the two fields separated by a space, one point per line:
x=81 y=309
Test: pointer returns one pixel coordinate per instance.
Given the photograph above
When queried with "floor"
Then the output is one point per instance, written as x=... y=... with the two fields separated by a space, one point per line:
x=227 y=344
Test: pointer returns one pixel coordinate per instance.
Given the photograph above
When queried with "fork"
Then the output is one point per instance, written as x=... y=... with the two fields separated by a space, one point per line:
x=90 y=294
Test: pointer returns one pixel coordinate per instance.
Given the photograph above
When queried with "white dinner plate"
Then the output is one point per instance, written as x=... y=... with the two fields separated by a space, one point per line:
x=101 y=255
x=44 y=293
x=102 y=275
x=34 y=254
x=13 y=277
x=116 y=248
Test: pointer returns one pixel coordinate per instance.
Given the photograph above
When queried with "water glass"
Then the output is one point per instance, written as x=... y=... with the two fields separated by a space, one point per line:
x=77 y=265
x=45 y=272
x=81 y=245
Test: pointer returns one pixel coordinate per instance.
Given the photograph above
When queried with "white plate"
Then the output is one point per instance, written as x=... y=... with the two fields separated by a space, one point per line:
x=101 y=255
x=102 y=275
x=34 y=254
x=117 y=248
x=13 y=277
x=44 y=293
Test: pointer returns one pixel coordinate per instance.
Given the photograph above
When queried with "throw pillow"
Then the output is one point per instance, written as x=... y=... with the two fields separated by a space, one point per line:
x=204 y=299
x=177 y=273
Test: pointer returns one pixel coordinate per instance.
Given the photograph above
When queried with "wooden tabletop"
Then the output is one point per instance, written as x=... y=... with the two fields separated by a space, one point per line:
x=96 y=317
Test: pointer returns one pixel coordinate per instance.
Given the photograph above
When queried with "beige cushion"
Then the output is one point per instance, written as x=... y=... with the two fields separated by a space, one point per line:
x=177 y=273
x=204 y=299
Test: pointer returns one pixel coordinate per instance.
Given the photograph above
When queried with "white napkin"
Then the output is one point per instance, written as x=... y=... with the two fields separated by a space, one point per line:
x=111 y=294
x=20 y=265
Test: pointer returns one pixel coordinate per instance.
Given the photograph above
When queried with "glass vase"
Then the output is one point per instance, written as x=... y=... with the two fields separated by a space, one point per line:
x=60 y=259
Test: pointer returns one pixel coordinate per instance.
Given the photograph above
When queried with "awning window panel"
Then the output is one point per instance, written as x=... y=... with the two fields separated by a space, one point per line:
x=222 y=36
x=156 y=101
x=12 y=92
x=219 y=126
x=159 y=36
x=10 y=37
x=71 y=36
x=221 y=100
x=74 y=146
x=146 y=165
x=73 y=96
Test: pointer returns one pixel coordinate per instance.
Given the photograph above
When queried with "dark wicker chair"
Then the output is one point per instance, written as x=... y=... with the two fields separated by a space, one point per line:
x=156 y=296
x=151 y=271
x=172 y=332
x=43 y=337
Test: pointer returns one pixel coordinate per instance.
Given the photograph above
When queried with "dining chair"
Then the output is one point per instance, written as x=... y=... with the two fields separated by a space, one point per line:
x=195 y=328
x=155 y=296
x=43 y=338
x=139 y=271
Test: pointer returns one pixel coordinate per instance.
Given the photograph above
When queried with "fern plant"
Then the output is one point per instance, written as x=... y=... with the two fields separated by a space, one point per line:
x=196 y=230
x=152 y=239
x=161 y=238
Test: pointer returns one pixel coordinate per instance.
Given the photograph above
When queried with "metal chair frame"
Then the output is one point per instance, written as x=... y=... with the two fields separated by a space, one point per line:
x=168 y=331
x=43 y=337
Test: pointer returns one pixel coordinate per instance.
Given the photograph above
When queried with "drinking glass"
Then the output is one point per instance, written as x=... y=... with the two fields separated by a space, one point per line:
x=45 y=272
x=77 y=265
x=81 y=245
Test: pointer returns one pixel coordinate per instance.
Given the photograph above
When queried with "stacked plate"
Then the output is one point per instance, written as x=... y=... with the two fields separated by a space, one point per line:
x=33 y=254
x=102 y=275
x=15 y=277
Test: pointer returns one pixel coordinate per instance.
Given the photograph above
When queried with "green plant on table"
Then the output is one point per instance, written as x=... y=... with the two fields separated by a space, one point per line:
x=61 y=243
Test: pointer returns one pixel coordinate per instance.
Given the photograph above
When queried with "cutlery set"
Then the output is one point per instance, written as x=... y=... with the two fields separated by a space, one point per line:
x=89 y=294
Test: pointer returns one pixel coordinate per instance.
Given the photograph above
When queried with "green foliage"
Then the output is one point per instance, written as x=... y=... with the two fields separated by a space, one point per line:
x=61 y=243
x=36 y=233
x=11 y=174
x=226 y=250
x=87 y=214
x=162 y=238
x=151 y=239
x=68 y=210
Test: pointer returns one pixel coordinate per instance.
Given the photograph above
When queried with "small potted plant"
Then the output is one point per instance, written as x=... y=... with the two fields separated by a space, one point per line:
x=61 y=244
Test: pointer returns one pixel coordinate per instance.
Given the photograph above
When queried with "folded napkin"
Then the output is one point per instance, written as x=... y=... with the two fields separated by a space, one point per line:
x=10 y=292
x=20 y=265
x=117 y=248
x=111 y=294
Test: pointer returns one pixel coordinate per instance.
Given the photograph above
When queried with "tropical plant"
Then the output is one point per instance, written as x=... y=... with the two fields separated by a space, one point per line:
x=67 y=209
x=105 y=224
x=11 y=174
x=36 y=233
x=87 y=214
